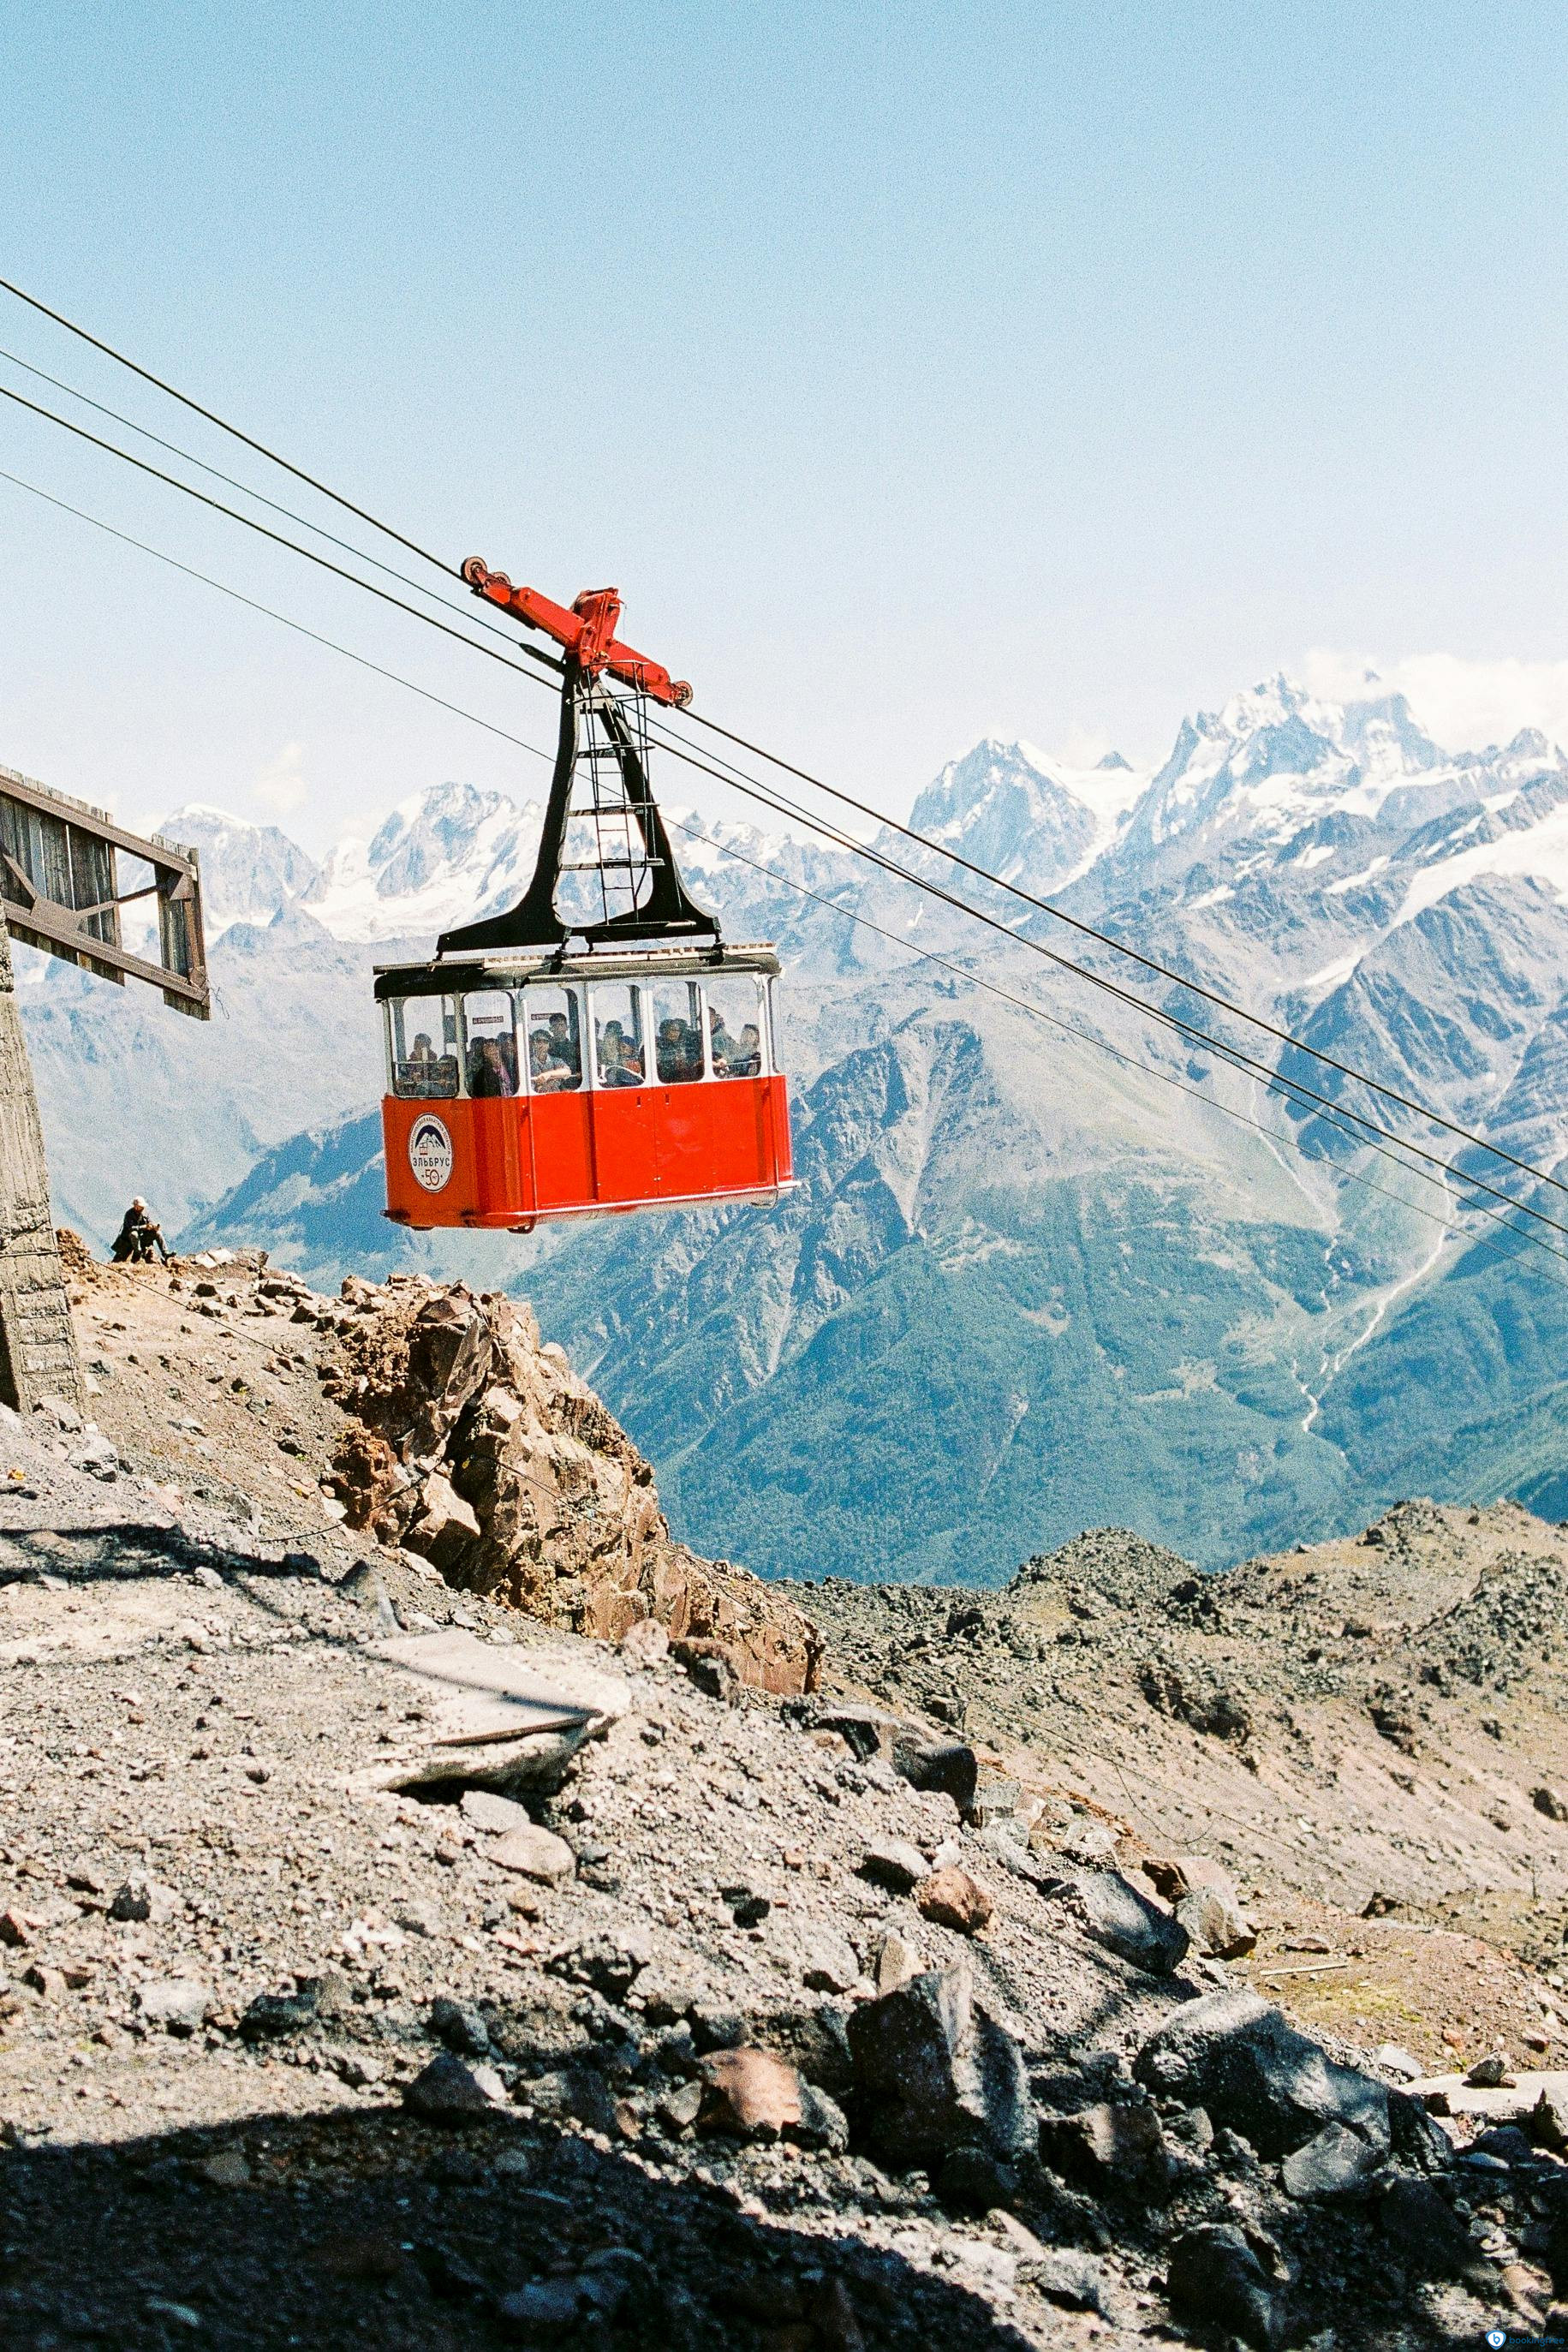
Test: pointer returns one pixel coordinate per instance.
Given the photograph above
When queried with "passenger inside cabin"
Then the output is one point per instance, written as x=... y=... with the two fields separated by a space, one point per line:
x=746 y=1062
x=423 y=1050
x=679 y=1054
x=546 y=1076
x=620 y=1064
x=563 y=1045
x=721 y=1045
x=487 y=1073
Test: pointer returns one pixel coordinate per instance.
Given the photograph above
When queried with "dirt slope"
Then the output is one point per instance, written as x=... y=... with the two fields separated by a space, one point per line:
x=383 y=1962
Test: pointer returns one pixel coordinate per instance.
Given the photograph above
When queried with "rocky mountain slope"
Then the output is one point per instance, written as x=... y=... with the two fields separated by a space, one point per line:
x=1060 y=1195
x=382 y=1961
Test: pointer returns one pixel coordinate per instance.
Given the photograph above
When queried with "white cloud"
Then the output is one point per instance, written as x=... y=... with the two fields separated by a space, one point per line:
x=280 y=786
x=1464 y=705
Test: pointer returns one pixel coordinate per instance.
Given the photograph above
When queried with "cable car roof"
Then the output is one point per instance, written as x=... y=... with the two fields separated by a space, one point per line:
x=449 y=977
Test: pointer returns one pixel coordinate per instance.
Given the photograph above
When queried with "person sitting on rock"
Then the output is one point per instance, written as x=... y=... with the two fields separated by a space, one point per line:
x=137 y=1237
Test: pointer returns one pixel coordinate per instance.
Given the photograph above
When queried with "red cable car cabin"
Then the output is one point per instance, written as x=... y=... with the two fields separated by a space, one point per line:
x=532 y=1077
x=527 y=1088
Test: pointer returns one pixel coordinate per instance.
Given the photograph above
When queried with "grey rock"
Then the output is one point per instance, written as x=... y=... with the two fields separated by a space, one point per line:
x=678 y=2109
x=97 y=1457
x=827 y=1961
x=933 y=2072
x=488 y=1811
x=611 y=1964
x=865 y=1732
x=1238 y=2057
x=993 y=1800
x=1396 y=2060
x=1416 y=2139
x=717 y=2028
x=1506 y=2142
x=546 y=2309
x=450 y=2091
x=948 y=1766
x=461 y=2026
x=1087 y=1842
x=1548 y=2120
x=1337 y=2165
x=823 y=2123
x=1110 y=2140
x=894 y=1862
x=1116 y=1916
x=1216 y=2277
x=1426 y=2233
x=272 y=2015
x=1067 y=2277
x=179 y=2004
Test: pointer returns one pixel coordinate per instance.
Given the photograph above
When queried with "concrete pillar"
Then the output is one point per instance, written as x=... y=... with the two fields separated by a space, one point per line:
x=37 y=1341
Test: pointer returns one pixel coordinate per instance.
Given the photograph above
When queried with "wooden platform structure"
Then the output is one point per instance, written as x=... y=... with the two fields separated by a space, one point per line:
x=66 y=872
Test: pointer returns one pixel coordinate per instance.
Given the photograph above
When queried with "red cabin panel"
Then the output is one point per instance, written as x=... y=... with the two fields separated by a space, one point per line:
x=511 y=1161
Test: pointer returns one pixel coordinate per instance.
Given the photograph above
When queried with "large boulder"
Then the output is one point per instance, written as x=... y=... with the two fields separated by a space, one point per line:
x=471 y=1442
x=933 y=2072
x=1234 y=2055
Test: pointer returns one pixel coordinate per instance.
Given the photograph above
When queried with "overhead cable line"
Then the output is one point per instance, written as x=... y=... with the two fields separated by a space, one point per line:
x=770 y=798
x=278 y=538
x=222 y=424
x=247 y=489
x=1149 y=963
x=982 y=872
x=1301 y=1093
x=271 y=614
x=1270 y=1081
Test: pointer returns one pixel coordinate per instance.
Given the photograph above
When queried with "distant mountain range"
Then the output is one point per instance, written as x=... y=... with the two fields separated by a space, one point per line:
x=1050 y=1265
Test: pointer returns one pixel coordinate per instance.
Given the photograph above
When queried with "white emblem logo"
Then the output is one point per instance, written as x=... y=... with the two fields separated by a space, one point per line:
x=430 y=1152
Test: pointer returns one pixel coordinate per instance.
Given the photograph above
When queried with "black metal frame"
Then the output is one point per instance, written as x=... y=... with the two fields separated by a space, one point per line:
x=668 y=911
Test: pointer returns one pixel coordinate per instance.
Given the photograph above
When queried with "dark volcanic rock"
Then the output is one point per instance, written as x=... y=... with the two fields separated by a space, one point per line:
x=1216 y=2276
x=1233 y=2054
x=934 y=2071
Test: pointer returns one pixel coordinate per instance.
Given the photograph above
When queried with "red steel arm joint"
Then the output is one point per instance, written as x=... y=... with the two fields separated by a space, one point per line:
x=587 y=631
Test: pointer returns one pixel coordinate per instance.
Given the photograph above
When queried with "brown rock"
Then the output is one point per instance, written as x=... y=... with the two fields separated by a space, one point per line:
x=749 y=2093
x=954 y=1899
x=550 y=1506
x=13 y=1930
x=1217 y=1924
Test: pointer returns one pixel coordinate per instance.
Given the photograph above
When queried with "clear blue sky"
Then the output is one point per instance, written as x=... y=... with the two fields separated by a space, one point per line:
x=914 y=371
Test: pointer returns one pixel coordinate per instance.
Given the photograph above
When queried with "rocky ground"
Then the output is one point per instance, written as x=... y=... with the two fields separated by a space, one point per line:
x=382 y=1961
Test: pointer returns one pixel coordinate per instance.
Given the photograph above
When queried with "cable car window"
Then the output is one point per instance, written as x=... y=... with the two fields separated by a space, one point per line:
x=423 y=1034
x=677 y=1031
x=619 y=1058
x=735 y=1024
x=489 y=1044
x=551 y=1024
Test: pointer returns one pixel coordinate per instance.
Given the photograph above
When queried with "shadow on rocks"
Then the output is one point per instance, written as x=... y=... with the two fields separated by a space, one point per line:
x=341 y=2228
